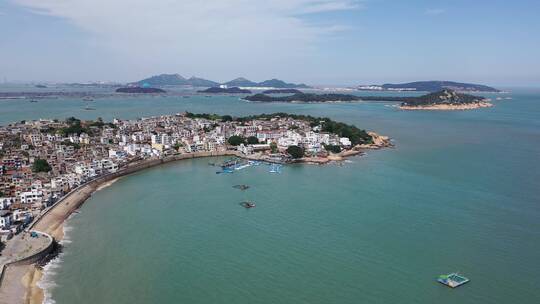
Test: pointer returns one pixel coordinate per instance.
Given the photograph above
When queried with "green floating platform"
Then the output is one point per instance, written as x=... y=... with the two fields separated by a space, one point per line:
x=452 y=280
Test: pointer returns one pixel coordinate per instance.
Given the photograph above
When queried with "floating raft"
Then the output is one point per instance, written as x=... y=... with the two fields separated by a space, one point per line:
x=452 y=280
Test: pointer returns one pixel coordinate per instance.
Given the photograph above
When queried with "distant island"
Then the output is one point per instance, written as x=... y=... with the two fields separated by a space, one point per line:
x=139 y=90
x=272 y=83
x=429 y=86
x=175 y=80
x=282 y=91
x=179 y=80
x=445 y=100
x=303 y=97
x=218 y=90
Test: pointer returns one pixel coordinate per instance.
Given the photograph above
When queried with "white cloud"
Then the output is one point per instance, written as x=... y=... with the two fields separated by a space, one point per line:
x=434 y=11
x=189 y=32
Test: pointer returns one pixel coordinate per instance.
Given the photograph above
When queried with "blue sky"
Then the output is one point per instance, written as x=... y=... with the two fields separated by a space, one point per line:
x=314 y=41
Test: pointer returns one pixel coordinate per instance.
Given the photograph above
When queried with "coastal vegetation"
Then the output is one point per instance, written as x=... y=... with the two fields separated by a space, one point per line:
x=332 y=148
x=273 y=147
x=236 y=140
x=442 y=97
x=303 y=97
x=41 y=165
x=295 y=152
x=252 y=140
x=74 y=127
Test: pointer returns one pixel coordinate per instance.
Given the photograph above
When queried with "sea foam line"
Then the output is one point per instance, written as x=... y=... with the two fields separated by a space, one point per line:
x=47 y=282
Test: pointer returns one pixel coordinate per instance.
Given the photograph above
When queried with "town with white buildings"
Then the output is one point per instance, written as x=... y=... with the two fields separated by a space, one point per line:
x=42 y=160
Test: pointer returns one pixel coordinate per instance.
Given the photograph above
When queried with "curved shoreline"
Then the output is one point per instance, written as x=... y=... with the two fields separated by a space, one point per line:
x=52 y=221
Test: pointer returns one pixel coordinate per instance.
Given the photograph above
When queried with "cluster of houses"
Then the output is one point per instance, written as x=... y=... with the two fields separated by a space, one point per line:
x=101 y=148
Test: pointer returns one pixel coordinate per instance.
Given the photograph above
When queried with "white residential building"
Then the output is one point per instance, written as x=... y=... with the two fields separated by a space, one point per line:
x=31 y=197
x=5 y=202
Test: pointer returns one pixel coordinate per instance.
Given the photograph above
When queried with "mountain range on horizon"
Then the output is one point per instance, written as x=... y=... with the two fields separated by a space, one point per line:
x=177 y=79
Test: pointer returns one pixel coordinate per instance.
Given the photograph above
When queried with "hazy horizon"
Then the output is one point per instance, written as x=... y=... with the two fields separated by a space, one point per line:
x=317 y=42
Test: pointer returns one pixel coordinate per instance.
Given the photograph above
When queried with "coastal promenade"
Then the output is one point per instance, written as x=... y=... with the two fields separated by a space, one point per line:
x=18 y=256
x=19 y=278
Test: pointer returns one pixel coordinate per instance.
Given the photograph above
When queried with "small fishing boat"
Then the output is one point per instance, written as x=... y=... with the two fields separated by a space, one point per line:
x=248 y=204
x=242 y=166
x=225 y=170
x=241 y=187
x=254 y=163
x=275 y=168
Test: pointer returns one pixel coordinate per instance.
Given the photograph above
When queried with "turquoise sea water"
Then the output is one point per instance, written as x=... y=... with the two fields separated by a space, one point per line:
x=460 y=192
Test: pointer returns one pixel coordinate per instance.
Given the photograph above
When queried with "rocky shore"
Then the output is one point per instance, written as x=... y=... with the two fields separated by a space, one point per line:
x=448 y=107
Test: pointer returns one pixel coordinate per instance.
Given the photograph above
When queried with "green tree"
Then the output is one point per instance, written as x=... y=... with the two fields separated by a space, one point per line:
x=273 y=147
x=332 y=148
x=252 y=140
x=236 y=140
x=226 y=118
x=41 y=165
x=295 y=151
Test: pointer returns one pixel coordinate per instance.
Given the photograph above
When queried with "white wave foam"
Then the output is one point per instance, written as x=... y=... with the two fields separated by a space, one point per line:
x=47 y=282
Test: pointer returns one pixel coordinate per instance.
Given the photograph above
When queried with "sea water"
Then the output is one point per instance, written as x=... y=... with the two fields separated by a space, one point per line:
x=460 y=192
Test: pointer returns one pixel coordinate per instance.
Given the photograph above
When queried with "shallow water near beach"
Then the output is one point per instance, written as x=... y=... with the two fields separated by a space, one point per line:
x=458 y=193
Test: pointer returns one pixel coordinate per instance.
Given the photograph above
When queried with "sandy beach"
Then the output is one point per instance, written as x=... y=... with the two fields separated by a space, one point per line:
x=20 y=282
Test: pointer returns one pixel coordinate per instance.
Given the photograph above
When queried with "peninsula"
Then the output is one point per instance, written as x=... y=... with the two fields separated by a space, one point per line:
x=445 y=100
x=58 y=164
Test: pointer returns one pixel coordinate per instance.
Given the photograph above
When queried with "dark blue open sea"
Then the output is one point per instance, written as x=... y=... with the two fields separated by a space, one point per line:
x=460 y=192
